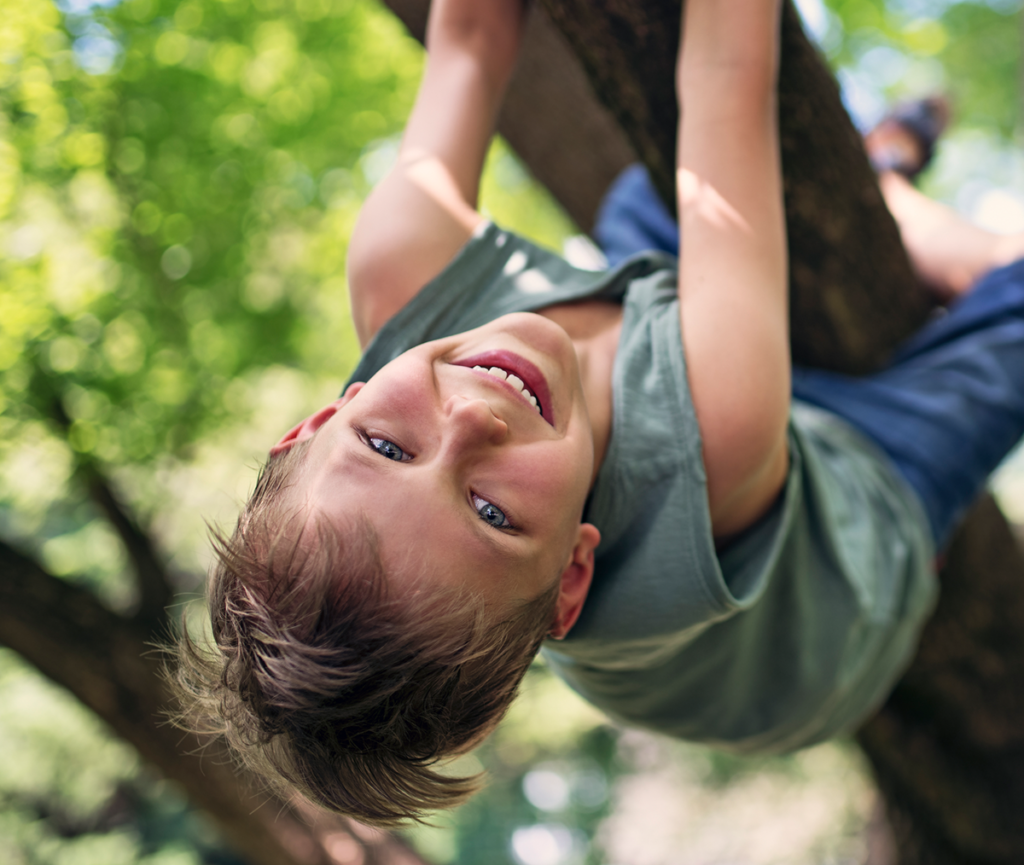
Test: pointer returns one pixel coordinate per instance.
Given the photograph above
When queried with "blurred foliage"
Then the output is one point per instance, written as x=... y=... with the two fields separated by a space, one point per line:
x=903 y=48
x=178 y=181
x=551 y=767
x=71 y=794
x=180 y=220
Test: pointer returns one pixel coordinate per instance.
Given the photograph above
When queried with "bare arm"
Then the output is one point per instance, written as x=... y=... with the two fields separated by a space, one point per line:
x=424 y=211
x=733 y=272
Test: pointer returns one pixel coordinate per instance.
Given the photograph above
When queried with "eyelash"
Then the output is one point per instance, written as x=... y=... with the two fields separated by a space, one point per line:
x=375 y=444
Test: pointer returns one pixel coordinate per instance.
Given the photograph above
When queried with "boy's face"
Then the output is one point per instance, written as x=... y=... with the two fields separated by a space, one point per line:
x=464 y=481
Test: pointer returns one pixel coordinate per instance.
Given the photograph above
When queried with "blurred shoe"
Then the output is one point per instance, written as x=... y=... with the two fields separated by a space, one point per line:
x=904 y=140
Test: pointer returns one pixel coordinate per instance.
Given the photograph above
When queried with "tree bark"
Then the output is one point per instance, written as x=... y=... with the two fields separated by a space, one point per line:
x=105 y=661
x=849 y=275
x=948 y=747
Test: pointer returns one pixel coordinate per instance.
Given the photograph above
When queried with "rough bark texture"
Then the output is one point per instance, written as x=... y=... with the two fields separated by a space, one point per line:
x=107 y=663
x=948 y=747
x=849 y=272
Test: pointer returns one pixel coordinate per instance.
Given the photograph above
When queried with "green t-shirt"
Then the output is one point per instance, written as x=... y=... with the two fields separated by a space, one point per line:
x=799 y=629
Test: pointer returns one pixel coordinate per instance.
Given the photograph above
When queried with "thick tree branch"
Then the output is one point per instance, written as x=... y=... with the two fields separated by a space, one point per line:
x=77 y=642
x=848 y=271
x=66 y=633
x=948 y=746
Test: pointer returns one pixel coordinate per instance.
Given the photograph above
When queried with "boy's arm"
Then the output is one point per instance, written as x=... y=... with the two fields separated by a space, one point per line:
x=733 y=272
x=424 y=211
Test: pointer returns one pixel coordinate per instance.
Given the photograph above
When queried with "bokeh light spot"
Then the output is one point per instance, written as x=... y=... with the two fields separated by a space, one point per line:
x=542 y=844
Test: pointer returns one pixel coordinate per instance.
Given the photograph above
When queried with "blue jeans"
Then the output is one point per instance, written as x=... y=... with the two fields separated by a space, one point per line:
x=948 y=407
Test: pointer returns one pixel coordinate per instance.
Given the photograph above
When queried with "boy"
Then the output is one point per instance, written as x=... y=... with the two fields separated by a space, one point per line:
x=524 y=452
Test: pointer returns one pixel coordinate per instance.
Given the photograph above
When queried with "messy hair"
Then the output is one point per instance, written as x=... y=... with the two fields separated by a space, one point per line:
x=324 y=680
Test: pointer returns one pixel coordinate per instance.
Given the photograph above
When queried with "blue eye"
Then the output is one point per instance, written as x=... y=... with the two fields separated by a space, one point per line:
x=388 y=450
x=491 y=514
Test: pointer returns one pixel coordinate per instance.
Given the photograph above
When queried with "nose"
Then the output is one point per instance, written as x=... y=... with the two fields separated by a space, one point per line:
x=471 y=422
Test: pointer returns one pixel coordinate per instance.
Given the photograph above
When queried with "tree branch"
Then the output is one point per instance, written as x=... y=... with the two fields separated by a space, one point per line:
x=65 y=632
x=950 y=740
x=151 y=579
x=848 y=270
x=155 y=593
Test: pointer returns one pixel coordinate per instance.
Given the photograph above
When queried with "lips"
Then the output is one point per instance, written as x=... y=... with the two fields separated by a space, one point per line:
x=532 y=377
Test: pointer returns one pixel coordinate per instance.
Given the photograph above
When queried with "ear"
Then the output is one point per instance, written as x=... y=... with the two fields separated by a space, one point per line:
x=576 y=580
x=305 y=429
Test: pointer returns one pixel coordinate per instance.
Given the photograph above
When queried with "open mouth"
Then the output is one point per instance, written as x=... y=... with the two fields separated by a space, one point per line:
x=514 y=380
x=517 y=373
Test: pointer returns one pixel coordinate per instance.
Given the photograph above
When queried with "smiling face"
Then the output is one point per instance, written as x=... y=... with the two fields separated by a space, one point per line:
x=471 y=457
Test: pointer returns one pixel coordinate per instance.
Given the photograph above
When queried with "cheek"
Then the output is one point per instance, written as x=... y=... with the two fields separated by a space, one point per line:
x=402 y=395
x=557 y=473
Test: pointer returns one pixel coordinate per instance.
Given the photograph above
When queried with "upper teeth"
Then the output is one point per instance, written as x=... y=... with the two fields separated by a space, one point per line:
x=513 y=380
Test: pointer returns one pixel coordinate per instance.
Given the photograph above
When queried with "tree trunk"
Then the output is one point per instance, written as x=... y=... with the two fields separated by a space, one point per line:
x=948 y=747
x=849 y=273
x=105 y=660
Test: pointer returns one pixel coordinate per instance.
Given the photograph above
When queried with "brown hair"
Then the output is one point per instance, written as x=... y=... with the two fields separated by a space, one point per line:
x=325 y=681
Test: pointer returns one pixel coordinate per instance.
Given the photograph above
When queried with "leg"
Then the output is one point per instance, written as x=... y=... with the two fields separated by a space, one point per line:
x=949 y=253
x=951 y=405
x=634 y=219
